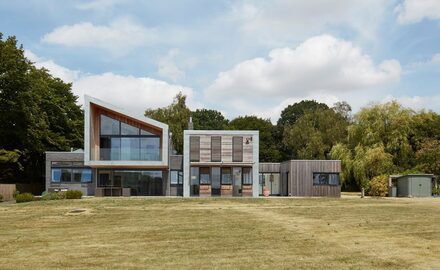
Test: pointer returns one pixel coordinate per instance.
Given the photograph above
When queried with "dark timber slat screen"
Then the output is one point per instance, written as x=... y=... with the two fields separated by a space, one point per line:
x=216 y=148
x=194 y=148
x=237 y=149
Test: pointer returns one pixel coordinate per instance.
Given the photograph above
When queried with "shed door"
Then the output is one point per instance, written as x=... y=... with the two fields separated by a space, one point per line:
x=420 y=187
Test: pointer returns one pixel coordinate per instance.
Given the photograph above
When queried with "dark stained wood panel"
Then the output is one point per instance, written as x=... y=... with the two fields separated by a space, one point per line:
x=194 y=145
x=237 y=149
x=216 y=148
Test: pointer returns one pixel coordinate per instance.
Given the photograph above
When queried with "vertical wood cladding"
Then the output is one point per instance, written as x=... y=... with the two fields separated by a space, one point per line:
x=237 y=149
x=221 y=148
x=216 y=148
x=297 y=177
x=194 y=148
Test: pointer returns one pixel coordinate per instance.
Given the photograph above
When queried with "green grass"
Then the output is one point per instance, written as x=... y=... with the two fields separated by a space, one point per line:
x=171 y=233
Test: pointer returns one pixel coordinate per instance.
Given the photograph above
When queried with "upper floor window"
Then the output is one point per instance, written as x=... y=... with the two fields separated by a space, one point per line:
x=121 y=141
x=331 y=179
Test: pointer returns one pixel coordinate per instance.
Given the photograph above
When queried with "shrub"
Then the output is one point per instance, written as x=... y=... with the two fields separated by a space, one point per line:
x=379 y=186
x=16 y=192
x=1 y=197
x=436 y=191
x=24 y=197
x=73 y=194
x=47 y=196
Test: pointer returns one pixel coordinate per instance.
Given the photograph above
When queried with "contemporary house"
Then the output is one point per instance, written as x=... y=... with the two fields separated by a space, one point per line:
x=129 y=155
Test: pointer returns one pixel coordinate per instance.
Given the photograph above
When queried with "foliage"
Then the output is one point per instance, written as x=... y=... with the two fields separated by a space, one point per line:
x=315 y=133
x=205 y=119
x=379 y=186
x=38 y=113
x=293 y=112
x=47 y=196
x=24 y=197
x=341 y=152
x=343 y=109
x=428 y=156
x=386 y=124
x=436 y=191
x=9 y=163
x=176 y=116
x=14 y=195
x=1 y=197
x=73 y=194
x=268 y=145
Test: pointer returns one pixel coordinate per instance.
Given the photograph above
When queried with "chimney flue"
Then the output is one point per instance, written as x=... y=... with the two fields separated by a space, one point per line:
x=190 y=123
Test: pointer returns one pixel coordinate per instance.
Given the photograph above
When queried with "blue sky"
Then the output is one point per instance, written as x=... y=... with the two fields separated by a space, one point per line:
x=239 y=57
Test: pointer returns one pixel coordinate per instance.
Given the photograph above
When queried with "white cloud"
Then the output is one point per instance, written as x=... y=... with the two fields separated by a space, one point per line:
x=118 y=37
x=98 y=4
x=168 y=68
x=413 y=11
x=56 y=70
x=132 y=93
x=417 y=102
x=320 y=66
x=276 y=20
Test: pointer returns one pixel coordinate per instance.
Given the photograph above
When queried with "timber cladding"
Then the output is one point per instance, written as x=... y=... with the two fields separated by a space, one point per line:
x=221 y=148
x=297 y=177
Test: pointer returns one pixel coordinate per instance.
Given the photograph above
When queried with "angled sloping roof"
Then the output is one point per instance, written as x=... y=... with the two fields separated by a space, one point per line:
x=88 y=100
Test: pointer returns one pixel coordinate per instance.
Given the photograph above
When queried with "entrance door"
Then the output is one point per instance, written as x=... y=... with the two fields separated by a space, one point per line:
x=236 y=181
x=215 y=181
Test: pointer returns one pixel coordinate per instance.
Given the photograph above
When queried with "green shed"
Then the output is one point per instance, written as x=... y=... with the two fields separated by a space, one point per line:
x=412 y=185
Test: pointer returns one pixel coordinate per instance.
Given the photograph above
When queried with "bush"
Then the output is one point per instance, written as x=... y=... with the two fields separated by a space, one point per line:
x=24 y=197
x=436 y=191
x=48 y=196
x=1 y=197
x=379 y=186
x=73 y=194
x=14 y=195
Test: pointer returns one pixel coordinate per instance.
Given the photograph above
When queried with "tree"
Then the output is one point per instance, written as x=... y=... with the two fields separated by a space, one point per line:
x=38 y=113
x=313 y=134
x=344 y=109
x=341 y=152
x=288 y=117
x=389 y=125
x=176 y=116
x=205 y=119
x=428 y=157
x=268 y=145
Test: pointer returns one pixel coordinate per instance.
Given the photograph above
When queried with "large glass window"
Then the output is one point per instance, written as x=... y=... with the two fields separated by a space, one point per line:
x=205 y=176
x=69 y=175
x=247 y=176
x=121 y=141
x=331 y=179
x=226 y=176
x=140 y=183
x=109 y=126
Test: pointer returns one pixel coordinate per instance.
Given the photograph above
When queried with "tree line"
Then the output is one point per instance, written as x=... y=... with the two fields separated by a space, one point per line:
x=380 y=139
x=39 y=113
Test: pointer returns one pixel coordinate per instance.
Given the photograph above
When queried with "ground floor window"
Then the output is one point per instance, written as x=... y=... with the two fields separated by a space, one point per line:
x=71 y=175
x=331 y=179
x=176 y=177
x=271 y=181
x=140 y=182
x=195 y=186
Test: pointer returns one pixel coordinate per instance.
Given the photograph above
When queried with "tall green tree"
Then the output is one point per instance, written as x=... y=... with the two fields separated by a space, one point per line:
x=206 y=119
x=176 y=115
x=314 y=134
x=288 y=118
x=268 y=145
x=38 y=113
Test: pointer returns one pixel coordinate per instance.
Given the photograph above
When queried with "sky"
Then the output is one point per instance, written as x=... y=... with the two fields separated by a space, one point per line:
x=238 y=57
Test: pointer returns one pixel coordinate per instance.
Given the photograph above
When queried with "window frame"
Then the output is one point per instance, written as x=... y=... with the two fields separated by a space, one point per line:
x=221 y=176
x=71 y=171
x=328 y=182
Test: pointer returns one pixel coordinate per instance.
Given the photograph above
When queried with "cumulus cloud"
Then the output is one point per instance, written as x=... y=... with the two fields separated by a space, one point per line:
x=275 y=20
x=168 y=68
x=413 y=11
x=119 y=37
x=416 y=102
x=132 y=93
x=56 y=70
x=322 y=65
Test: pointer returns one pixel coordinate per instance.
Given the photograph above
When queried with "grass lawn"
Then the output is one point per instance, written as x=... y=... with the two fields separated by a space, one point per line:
x=173 y=233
